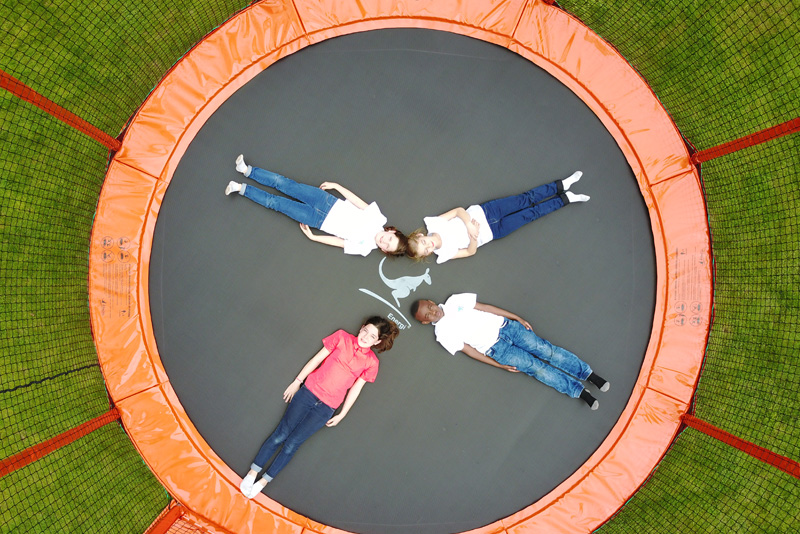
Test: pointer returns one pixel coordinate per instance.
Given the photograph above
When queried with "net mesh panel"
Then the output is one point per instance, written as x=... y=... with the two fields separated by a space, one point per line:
x=98 y=60
x=723 y=69
x=96 y=484
x=719 y=498
x=182 y=525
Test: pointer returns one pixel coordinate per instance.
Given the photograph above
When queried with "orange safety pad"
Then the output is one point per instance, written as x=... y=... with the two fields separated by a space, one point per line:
x=237 y=51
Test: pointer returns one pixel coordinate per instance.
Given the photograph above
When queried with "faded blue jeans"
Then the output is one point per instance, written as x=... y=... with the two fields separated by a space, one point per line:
x=530 y=354
x=303 y=417
x=311 y=206
x=507 y=214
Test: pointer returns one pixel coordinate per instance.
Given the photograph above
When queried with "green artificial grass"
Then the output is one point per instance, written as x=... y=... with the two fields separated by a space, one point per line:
x=95 y=484
x=700 y=487
x=98 y=60
x=722 y=69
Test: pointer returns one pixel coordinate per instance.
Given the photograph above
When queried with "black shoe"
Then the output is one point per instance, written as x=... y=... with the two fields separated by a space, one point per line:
x=588 y=399
x=602 y=384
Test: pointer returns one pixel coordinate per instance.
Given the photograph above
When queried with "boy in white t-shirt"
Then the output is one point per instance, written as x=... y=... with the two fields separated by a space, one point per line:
x=503 y=339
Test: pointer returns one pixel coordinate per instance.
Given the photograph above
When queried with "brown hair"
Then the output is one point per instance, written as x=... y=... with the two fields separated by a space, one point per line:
x=387 y=332
x=402 y=242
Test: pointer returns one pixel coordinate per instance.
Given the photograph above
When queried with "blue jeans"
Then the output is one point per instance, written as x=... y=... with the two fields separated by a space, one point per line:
x=305 y=415
x=510 y=213
x=526 y=351
x=311 y=206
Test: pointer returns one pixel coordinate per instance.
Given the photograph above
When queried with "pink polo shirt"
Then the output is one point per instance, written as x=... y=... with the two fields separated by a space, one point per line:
x=339 y=371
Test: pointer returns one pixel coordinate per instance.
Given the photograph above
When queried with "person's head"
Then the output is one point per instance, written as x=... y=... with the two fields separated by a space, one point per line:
x=378 y=333
x=420 y=245
x=391 y=241
x=426 y=311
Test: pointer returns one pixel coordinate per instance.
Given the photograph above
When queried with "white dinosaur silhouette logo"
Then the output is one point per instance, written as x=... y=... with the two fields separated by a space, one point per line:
x=401 y=288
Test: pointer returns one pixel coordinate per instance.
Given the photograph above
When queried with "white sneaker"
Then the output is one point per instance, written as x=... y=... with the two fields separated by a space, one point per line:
x=233 y=187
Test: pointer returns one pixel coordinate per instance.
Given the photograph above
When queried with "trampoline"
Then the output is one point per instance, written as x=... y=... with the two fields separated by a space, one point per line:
x=205 y=316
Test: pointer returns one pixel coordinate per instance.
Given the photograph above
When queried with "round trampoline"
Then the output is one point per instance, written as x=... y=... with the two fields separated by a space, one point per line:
x=417 y=120
x=205 y=306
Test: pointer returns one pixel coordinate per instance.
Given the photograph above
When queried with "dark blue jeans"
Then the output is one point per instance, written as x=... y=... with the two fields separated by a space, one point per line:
x=305 y=415
x=530 y=354
x=311 y=206
x=510 y=213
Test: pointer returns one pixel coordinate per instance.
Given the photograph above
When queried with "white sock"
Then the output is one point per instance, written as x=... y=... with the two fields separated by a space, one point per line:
x=571 y=179
x=572 y=197
x=241 y=166
x=234 y=187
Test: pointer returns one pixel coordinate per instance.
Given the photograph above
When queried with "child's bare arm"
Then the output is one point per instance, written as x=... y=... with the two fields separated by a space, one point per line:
x=346 y=193
x=324 y=239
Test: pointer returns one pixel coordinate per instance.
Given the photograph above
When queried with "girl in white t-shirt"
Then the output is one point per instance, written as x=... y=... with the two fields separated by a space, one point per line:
x=357 y=227
x=459 y=232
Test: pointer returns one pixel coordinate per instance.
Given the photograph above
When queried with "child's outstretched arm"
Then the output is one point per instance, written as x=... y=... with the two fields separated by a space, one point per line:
x=324 y=239
x=480 y=306
x=473 y=353
x=312 y=364
x=346 y=193
x=352 y=395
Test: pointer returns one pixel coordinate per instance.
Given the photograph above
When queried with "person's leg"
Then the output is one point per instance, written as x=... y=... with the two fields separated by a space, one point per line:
x=501 y=213
x=299 y=407
x=515 y=221
x=313 y=196
x=505 y=352
x=556 y=356
x=314 y=420
x=299 y=211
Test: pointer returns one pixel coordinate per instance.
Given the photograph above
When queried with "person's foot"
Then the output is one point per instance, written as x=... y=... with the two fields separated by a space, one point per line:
x=602 y=384
x=257 y=488
x=571 y=179
x=572 y=197
x=233 y=187
x=588 y=399
x=241 y=166
x=247 y=483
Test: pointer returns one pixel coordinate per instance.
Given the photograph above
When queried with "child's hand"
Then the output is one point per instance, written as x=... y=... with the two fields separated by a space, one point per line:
x=328 y=185
x=306 y=230
x=293 y=388
x=474 y=229
x=510 y=368
x=333 y=421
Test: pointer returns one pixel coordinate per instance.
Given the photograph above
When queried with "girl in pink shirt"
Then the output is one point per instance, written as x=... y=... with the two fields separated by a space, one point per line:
x=345 y=362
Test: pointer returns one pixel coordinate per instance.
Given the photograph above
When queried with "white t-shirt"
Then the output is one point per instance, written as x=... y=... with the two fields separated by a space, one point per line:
x=356 y=226
x=463 y=324
x=454 y=233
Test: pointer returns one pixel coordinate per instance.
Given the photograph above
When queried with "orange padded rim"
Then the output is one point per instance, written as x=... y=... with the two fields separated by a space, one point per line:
x=198 y=84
